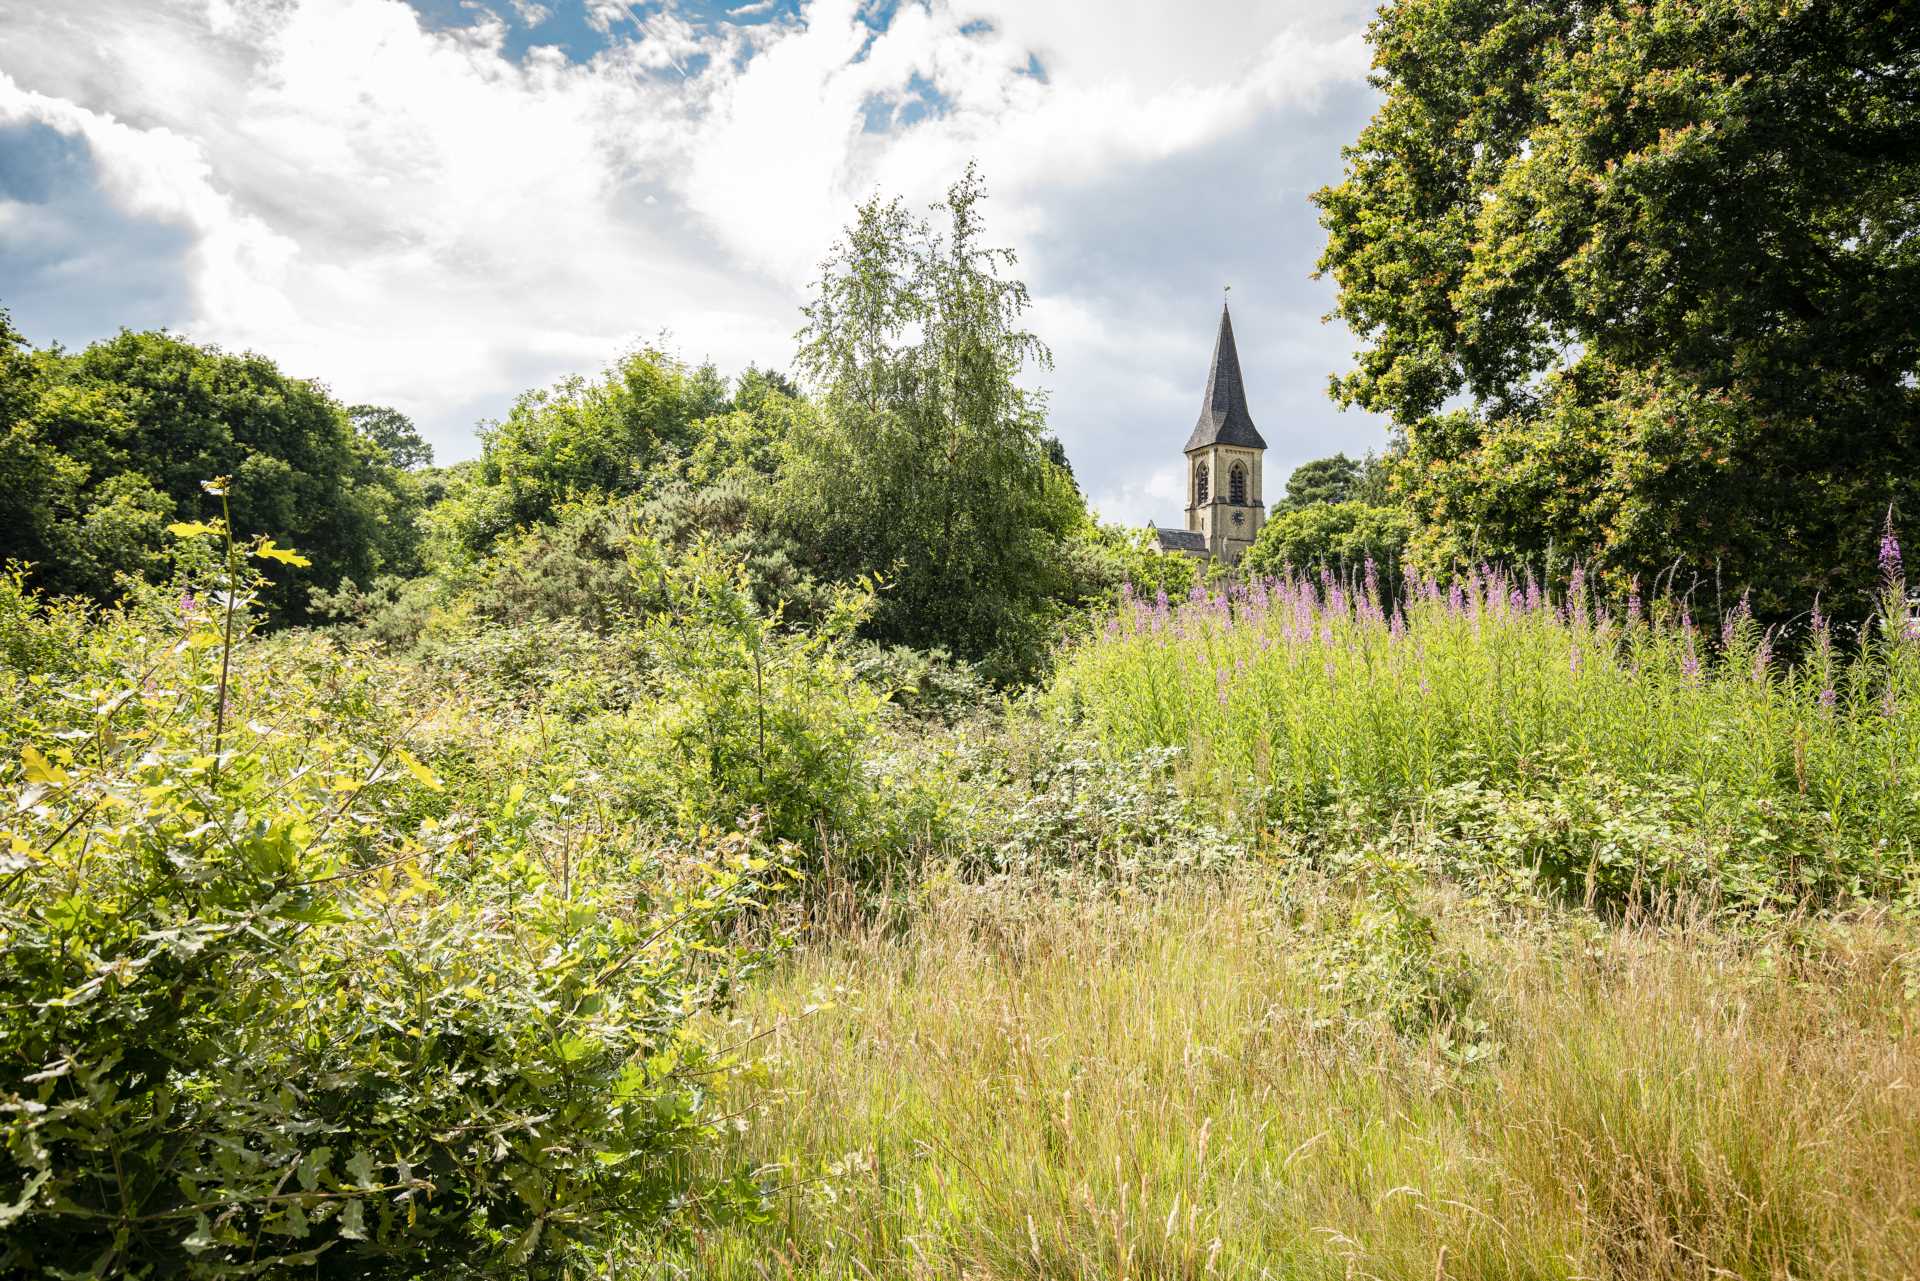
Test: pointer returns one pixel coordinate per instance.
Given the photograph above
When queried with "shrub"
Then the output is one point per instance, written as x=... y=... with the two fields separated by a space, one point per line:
x=927 y=683
x=272 y=995
x=750 y=718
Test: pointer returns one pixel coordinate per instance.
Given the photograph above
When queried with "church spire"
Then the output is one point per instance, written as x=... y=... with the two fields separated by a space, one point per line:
x=1224 y=419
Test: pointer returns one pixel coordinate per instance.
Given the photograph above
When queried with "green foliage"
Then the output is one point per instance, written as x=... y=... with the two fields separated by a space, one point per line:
x=929 y=684
x=1115 y=557
x=283 y=991
x=928 y=464
x=37 y=639
x=574 y=569
x=1341 y=537
x=393 y=432
x=1656 y=249
x=1058 y=805
x=577 y=568
x=581 y=440
x=103 y=448
x=1382 y=960
x=756 y=724
x=1338 y=479
x=741 y=445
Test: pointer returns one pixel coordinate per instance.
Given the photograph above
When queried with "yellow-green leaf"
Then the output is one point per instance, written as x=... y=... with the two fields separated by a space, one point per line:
x=192 y=529
x=418 y=770
x=42 y=770
x=285 y=555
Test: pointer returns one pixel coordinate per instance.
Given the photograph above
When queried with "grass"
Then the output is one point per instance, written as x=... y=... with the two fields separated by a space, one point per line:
x=1020 y=1082
x=1575 y=947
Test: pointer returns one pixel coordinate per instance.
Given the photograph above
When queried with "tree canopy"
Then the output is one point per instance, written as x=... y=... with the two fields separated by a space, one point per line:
x=1640 y=282
x=1340 y=536
x=1338 y=479
x=929 y=462
x=105 y=447
x=394 y=432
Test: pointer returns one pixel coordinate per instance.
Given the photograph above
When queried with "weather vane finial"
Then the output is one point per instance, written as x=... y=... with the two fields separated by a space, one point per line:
x=1225 y=290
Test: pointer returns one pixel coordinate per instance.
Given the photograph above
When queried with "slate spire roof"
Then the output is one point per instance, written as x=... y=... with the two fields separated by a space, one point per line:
x=1224 y=419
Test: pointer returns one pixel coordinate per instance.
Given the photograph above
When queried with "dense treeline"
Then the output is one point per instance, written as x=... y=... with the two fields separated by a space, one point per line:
x=912 y=457
x=105 y=447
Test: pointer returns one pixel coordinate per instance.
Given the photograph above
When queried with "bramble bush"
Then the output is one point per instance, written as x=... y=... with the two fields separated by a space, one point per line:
x=275 y=995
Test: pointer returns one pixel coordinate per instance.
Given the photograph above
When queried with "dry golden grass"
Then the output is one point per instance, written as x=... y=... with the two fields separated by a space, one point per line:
x=1017 y=1081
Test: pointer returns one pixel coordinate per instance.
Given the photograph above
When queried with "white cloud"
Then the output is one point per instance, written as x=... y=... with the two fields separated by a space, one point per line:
x=417 y=219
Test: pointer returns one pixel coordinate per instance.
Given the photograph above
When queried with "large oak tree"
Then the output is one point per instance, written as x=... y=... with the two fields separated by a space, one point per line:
x=1640 y=282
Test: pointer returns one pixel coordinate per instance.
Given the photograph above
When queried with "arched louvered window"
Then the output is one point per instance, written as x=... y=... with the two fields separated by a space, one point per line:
x=1200 y=485
x=1237 y=485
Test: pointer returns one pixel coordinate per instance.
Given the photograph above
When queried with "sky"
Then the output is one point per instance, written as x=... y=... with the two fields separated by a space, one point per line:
x=437 y=204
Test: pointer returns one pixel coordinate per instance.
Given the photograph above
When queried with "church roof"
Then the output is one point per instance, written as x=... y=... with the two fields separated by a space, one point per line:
x=1180 y=540
x=1224 y=419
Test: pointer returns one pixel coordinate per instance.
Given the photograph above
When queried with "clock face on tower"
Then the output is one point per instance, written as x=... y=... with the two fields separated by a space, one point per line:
x=1239 y=518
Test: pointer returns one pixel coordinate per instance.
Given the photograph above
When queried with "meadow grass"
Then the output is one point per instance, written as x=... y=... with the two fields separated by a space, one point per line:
x=1366 y=1047
x=1292 y=694
x=1016 y=1082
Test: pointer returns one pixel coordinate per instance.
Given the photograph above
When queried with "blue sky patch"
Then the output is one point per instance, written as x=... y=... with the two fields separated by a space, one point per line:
x=73 y=267
x=920 y=100
x=570 y=26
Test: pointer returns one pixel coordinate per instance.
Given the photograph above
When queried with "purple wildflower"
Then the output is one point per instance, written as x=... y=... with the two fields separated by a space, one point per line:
x=1731 y=623
x=1828 y=696
x=1890 y=553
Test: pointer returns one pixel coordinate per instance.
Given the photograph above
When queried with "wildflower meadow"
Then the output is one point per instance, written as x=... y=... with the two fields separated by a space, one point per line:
x=1800 y=747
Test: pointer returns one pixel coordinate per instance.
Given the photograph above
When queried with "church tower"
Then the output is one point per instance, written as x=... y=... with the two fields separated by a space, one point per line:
x=1223 y=458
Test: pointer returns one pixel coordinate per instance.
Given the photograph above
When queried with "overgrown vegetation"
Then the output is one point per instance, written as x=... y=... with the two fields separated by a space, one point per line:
x=281 y=995
x=738 y=827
